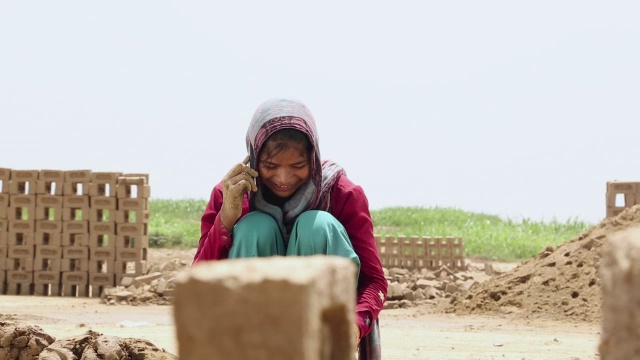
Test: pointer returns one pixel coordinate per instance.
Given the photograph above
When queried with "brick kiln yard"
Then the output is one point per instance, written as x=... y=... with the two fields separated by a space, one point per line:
x=548 y=307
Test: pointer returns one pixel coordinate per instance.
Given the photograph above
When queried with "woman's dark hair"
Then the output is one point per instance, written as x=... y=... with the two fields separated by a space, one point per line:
x=282 y=140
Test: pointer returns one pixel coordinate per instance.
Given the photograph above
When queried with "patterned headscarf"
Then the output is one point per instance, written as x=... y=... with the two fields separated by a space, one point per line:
x=278 y=114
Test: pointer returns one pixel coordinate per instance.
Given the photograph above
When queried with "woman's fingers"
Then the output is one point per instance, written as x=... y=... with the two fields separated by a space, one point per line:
x=241 y=168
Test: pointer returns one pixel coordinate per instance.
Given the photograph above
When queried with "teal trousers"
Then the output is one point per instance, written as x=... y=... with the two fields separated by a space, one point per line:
x=314 y=232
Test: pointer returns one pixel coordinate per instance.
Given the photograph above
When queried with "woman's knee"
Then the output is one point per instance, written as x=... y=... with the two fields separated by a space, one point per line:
x=317 y=221
x=257 y=226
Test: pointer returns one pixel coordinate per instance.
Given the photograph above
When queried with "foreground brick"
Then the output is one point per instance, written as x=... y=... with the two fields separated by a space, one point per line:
x=620 y=275
x=267 y=308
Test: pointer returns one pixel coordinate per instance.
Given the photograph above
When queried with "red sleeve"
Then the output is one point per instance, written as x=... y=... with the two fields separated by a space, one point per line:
x=215 y=240
x=350 y=206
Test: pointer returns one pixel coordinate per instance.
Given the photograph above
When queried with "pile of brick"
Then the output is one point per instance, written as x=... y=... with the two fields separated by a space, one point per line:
x=408 y=288
x=71 y=233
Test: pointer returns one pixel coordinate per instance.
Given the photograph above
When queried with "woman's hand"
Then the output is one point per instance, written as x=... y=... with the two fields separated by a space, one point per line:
x=239 y=180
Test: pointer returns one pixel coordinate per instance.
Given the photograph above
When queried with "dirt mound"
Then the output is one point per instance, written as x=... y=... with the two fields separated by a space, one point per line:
x=22 y=342
x=95 y=346
x=559 y=284
x=26 y=342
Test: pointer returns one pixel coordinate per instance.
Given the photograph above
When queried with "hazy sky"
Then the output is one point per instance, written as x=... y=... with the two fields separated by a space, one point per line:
x=519 y=109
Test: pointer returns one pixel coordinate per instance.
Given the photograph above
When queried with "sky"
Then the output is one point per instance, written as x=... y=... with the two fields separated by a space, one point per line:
x=517 y=109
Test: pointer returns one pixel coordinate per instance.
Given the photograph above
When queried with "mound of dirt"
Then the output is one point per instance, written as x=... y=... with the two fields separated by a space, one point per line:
x=26 y=342
x=559 y=284
x=22 y=342
x=95 y=346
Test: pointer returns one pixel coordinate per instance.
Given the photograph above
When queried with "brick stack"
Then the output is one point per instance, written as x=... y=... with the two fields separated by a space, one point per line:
x=71 y=233
x=627 y=192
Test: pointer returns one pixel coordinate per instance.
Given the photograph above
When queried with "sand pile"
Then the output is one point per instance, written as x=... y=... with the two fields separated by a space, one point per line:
x=558 y=284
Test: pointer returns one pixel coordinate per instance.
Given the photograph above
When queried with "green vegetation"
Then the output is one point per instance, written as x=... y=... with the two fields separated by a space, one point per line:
x=486 y=236
x=176 y=223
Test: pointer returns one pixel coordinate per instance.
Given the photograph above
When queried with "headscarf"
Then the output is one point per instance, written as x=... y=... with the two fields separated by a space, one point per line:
x=315 y=194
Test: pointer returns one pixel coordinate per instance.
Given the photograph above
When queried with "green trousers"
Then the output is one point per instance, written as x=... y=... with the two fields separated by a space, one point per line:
x=314 y=232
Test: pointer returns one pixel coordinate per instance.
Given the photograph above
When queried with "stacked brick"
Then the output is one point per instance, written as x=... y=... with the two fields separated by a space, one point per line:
x=71 y=233
x=424 y=252
x=629 y=192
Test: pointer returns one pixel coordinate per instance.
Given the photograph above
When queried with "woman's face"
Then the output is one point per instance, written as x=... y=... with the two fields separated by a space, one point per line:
x=284 y=172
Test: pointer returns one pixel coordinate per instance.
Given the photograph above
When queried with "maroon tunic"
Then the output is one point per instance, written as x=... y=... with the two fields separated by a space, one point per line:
x=350 y=206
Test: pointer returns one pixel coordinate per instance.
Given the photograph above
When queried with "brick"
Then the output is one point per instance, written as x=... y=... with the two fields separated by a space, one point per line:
x=147 y=279
x=75 y=283
x=50 y=182
x=49 y=201
x=4 y=238
x=133 y=204
x=102 y=227
x=102 y=266
x=132 y=242
x=75 y=277
x=104 y=184
x=75 y=252
x=3 y=257
x=49 y=213
x=5 y=177
x=77 y=175
x=131 y=229
x=317 y=291
x=24 y=277
x=20 y=251
x=20 y=238
x=101 y=279
x=75 y=227
x=75 y=214
x=47 y=238
x=76 y=188
x=131 y=254
x=133 y=191
x=51 y=175
x=21 y=213
x=17 y=288
x=75 y=201
x=22 y=200
x=102 y=241
x=48 y=252
x=4 y=202
x=24 y=264
x=75 y=239
x=102 y=215
x=24 y=226
x=129 y=268
x=23 y=182
x=621 y=186
x=132 y=216
x=101 y=202
x=49 y=226
x=47 y=289
x=102 y=253
x=40 y=264
x=124 y=178
x=74 y=265
x=46 y=277
x=4 y=225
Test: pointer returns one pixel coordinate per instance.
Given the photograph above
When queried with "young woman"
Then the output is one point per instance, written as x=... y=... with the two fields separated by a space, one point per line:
x=282 y=199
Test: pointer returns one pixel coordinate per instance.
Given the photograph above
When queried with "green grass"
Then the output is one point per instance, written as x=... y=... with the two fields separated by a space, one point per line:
x=176 y=223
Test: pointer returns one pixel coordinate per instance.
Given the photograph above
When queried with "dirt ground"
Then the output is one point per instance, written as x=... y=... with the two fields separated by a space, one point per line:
x=406 y=333
x=422 y=332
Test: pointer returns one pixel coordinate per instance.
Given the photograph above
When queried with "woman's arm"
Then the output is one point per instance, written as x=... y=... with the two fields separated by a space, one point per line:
x=215 y=239
x=350 y=206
